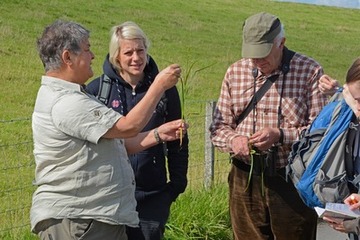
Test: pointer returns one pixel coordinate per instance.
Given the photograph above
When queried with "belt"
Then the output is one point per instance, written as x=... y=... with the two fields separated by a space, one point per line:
x=258 y=168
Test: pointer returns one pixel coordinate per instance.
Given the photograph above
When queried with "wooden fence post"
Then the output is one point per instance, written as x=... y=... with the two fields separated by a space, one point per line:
x=209 y=148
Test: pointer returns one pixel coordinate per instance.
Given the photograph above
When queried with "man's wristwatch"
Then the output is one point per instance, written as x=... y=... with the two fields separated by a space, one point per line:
x=157 y=136
x=281 y=138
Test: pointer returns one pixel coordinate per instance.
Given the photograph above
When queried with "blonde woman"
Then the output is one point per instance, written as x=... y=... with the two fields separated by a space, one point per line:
x=129 y=71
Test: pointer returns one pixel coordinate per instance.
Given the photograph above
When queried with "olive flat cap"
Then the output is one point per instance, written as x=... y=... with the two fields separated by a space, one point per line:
x=259 y=32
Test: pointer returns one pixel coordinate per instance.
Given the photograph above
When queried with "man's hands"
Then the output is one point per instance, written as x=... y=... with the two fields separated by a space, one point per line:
x=240 y=147
x=262 y=140
x=170 y=131
x=328 y=85
x=265 y=138
x=168 y=77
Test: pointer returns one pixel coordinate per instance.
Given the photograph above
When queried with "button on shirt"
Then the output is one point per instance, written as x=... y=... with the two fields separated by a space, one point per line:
x=78 y=174
x=301 y=102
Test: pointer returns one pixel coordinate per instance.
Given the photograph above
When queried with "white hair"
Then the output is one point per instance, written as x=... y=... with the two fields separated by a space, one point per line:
x=280 y=36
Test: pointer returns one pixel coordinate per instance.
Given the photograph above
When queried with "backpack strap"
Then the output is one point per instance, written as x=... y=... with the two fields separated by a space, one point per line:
x=285 y=64
x=356 y=182
x=257 y=97
x=105 y=85
x=162 y=106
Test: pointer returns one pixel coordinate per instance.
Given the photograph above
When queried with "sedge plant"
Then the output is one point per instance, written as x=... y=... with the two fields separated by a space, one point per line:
x=252 y=153
x=189 y=74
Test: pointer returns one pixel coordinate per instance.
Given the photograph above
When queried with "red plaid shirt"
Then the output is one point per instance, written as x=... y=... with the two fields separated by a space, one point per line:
x=301 y=102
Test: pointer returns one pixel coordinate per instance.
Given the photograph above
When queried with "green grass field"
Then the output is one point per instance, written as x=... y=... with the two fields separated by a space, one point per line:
x=187 y=32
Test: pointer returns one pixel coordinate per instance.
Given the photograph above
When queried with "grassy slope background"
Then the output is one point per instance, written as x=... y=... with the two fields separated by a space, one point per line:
x=181 y=31
x=208 y=32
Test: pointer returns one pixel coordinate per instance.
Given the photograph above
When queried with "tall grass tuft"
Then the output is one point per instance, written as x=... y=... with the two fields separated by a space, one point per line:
x=200 y=214
x=184 y=88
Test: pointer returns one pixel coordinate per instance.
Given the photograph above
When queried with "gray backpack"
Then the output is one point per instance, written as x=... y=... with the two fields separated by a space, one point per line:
x=321 y=163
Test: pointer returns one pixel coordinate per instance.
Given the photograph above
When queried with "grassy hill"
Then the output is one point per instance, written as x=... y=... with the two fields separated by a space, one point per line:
x=206 y=32
x=187 y=32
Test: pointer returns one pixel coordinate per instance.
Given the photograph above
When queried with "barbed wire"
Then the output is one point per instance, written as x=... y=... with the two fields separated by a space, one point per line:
x=15 y=120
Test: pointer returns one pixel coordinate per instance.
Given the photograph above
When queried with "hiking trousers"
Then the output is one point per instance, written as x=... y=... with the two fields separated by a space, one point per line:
x=276 y=213
x=82 y=229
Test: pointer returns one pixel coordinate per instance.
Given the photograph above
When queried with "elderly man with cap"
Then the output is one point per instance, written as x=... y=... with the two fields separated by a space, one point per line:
x=267 y=98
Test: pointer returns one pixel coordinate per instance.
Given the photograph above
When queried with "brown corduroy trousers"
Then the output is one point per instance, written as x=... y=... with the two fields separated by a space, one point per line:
x=278 y=214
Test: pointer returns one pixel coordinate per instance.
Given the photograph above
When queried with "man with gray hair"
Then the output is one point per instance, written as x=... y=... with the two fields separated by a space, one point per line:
x=267 y=98
x=85 y=183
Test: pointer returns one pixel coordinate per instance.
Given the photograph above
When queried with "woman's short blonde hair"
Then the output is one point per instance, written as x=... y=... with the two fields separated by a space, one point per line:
x=125 y=31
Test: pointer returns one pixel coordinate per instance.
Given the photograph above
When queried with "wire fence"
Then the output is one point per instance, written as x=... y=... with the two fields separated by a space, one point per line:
x=17 y=166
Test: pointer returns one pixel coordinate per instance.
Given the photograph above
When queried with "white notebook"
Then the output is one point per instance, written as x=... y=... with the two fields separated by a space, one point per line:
x=337 y=210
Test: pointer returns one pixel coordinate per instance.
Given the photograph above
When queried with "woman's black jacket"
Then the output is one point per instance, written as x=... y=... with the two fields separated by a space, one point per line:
x=150 y=166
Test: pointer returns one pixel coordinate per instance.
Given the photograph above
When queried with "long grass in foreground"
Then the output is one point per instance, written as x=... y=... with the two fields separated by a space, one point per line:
x=200 y=214
x=196 y=214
